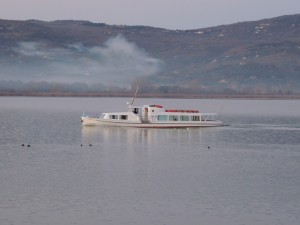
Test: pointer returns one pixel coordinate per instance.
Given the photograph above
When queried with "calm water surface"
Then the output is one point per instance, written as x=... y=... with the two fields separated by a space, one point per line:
x=250 y=174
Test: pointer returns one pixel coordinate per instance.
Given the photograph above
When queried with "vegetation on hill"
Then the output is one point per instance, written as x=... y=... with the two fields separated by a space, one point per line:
x=247 y=58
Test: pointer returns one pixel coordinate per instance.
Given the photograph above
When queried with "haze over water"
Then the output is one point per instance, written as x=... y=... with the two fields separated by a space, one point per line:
x=244 y=173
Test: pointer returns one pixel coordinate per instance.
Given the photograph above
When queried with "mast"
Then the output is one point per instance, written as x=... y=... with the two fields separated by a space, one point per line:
x=135 y=94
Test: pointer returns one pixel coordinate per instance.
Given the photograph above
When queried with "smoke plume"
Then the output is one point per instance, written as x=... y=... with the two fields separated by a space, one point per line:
x=117 y=62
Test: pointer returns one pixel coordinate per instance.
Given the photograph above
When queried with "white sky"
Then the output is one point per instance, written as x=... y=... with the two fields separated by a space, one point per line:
x=170 y=14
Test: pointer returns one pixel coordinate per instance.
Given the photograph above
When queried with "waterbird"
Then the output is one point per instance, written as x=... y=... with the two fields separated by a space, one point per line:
x=208 y=147
x=23 y=145
x=90 y=145
x=28 y=145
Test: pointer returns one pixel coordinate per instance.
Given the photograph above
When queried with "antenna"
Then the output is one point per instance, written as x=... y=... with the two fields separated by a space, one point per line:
x=136 y=91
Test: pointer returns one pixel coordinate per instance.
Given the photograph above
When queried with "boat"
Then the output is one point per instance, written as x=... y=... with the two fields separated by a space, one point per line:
x=153 y=116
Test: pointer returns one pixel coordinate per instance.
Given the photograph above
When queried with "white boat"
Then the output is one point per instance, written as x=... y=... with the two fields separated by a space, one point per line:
x=153 y=116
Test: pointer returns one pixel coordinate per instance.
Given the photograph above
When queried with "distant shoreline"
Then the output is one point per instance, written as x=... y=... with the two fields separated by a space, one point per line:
x=153 y=95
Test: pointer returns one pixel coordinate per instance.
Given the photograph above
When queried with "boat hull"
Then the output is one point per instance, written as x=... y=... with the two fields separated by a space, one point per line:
x=102 y=122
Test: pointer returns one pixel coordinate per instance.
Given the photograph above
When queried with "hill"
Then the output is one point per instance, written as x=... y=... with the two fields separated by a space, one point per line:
x=257 y=57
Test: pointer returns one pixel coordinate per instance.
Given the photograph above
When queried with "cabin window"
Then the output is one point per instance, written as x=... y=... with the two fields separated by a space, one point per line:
x=173 y=118
x=184 y=118
x=195 y=118
x=114 y=117
x=162 y=117
x=136 y=110
x=123 y=117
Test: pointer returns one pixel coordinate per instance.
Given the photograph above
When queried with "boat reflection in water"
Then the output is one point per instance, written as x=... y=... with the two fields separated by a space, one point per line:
x=98 y=135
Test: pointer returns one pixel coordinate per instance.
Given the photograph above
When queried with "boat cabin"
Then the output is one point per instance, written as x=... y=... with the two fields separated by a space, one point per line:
x=156 y=113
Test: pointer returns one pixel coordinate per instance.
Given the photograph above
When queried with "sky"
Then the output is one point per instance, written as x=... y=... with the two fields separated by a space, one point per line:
x=169 y=14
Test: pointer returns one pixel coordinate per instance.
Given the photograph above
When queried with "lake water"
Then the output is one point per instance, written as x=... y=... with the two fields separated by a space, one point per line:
x=244 y=173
